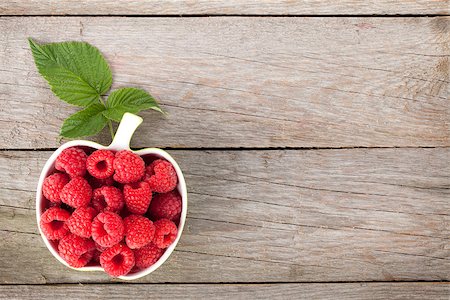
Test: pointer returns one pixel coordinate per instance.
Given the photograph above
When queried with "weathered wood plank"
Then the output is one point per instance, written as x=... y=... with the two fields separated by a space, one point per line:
x=247 y=82
x=221 y=7
x=398 y=290
x=276 y=216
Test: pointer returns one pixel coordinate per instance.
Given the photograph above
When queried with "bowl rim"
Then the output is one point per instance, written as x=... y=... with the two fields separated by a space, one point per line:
x=181 y=187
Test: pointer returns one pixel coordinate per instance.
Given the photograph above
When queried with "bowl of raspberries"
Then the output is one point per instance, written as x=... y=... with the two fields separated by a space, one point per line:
x=107 y=208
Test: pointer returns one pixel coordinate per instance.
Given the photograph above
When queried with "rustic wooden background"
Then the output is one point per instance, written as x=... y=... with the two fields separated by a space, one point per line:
x=314 y=137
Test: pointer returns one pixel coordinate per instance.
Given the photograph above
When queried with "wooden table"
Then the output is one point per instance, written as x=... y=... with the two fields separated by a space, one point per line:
x=314 y=137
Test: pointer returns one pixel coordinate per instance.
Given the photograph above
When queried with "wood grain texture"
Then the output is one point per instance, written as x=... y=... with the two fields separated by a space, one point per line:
x=360 y=291
x=221 y=7
x=271 y=216
x=247 y=82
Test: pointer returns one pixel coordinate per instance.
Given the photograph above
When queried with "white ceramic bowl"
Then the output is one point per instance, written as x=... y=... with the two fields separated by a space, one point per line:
x=121 y=141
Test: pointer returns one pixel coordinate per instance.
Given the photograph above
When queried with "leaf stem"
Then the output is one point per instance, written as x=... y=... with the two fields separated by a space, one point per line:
x=111 y=130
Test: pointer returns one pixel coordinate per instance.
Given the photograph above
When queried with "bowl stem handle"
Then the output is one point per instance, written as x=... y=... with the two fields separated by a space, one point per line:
x=127 y=126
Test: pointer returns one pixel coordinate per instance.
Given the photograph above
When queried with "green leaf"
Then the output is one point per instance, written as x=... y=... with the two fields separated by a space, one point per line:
x=130 y=100
x=76 y=71
x=88 y=121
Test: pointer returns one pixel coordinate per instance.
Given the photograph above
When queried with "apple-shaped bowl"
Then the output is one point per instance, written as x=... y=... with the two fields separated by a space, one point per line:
x=121 y=141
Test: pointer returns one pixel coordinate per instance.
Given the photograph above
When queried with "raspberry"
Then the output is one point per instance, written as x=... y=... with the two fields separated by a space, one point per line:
x=117 y=260
x=147 y=255
x=107 y=229
x=100 y=164
x=98 y=183
x=128 y=167
x=80 y=222
x=53 y=186
x=75 y=250
x=77 y=192
x=165 y=233
x=139 y=231
x=72 y=161
x=107 y=198
x=137 y=197
x=53 y=223
x=161 y=176
x=166 y=206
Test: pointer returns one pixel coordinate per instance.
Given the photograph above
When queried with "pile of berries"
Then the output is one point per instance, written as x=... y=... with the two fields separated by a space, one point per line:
x=111 y=208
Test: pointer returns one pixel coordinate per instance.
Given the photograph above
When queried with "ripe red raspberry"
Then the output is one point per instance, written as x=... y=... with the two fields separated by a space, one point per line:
x=75 y=250
x=139 y=231
x=53 y=223
x=107 y=229
x=128 y=167
x=77 y=192
x=161 y=176
x=72 y=161
x=80 y=222
x=98 y=183
x=53 y=186
x=166 y=206
x=100 y=164
x=147 y=255
x=165 y=233
x=117 y=260
x=107 y=198
x=137 y=197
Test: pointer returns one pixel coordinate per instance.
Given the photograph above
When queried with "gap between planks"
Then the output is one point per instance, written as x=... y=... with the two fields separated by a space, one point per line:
x=250 y=148
x=228 y=283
